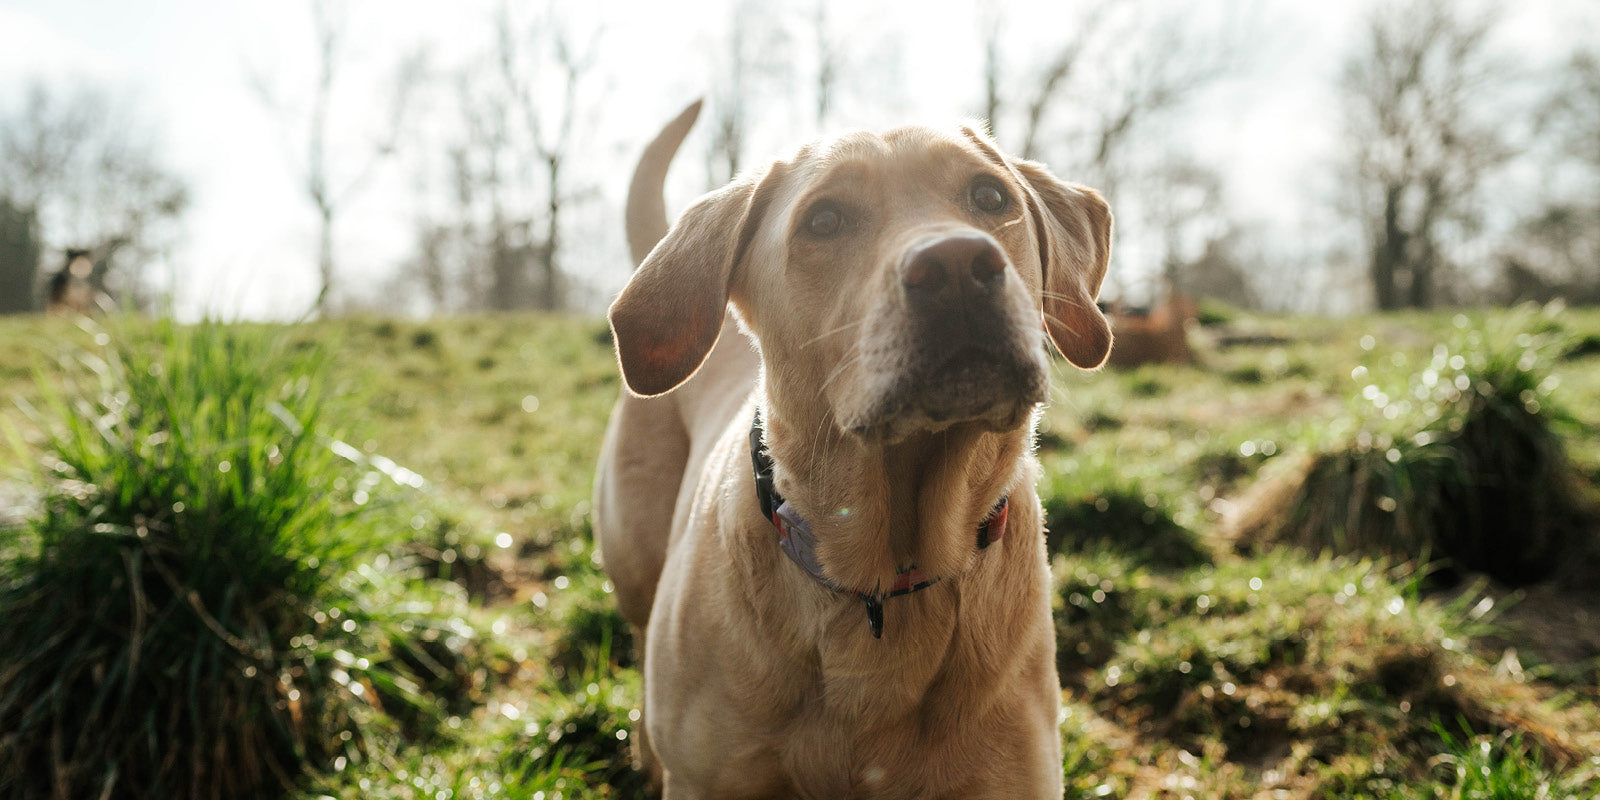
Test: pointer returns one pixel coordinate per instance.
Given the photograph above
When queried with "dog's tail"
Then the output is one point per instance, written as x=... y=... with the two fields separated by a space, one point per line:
x=647 y=205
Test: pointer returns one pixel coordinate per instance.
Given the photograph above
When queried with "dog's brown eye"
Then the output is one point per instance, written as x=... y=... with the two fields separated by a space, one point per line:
x=826 y=220
x=988 y=197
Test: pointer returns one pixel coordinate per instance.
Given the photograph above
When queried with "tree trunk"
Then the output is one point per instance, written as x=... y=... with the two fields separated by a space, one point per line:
x=550 y=299
x=19 y=259
x=1420 y=292
x=1426 y=260
x=325 y=267
x=504 y=268
x=1389 y=254
x=991 y=77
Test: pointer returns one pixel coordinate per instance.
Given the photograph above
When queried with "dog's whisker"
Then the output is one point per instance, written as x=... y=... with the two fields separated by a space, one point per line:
x=816 y=444
x=855 y=355
x=1048 y=317
x=841 y=329
x=1068 y=299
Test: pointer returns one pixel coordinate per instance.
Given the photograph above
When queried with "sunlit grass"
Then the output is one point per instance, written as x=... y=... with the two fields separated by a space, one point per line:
x=1459 y=457
x=202 y=604
x=506 y=410
x=1339 y=665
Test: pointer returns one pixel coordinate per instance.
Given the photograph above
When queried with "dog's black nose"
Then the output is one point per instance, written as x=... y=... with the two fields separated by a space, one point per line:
x=942 y=273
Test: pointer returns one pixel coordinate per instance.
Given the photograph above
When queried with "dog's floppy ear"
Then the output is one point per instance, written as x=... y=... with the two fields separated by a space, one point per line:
x=670 y=313
x=1074 y=229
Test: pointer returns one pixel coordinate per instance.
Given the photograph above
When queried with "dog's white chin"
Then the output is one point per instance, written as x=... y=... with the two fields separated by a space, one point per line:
x=992 y=385
x=899 y=428
x=901 y=415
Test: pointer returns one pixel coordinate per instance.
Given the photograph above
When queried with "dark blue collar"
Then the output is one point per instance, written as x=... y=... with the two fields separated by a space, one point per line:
x=800 y=544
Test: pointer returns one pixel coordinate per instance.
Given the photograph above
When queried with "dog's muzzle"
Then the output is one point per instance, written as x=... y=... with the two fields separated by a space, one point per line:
x=973 y=358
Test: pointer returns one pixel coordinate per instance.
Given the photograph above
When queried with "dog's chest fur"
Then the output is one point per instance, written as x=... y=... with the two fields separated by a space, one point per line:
x=841 y=714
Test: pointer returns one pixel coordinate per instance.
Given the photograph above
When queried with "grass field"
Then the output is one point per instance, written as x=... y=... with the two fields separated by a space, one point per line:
x=1194 y=664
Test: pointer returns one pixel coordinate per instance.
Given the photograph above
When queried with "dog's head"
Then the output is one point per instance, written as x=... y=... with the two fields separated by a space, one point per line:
x=904 y=280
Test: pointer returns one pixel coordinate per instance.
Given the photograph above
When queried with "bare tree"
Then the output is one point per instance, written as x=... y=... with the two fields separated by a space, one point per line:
x=478 y=252
x=332 y=176
x=550 y=114
x=1055 y=75
x=756 y=45
x=731 y=100
x=1114 y=72
x=450 y=264
x=1555 y=251
x=1148 y=59
x=1420 y=152
x=1572 y=114
x=1171 y=67
x=499 y=242
x=991 y=21
x=88 y=173
x=1189 y=210
x=830 y=61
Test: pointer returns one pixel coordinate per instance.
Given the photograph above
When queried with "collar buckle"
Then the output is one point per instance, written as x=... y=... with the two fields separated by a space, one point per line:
x=874 y=614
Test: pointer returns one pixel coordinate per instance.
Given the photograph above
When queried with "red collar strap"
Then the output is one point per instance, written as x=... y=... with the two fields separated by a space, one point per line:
x=800 y=545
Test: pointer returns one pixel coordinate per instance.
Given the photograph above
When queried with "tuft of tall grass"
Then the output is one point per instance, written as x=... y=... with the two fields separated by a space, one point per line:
x=1089 y=504
x=200 y=607
x=1463 y=460
x=1502 y=767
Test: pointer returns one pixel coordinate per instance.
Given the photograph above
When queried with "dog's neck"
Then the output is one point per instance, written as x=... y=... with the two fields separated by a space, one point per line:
x=798 y=541
x=877 y=509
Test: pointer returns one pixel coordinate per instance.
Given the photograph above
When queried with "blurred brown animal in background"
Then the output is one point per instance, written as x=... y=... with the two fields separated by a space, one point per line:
x=1158 y=337
x=70 y=291
x=826 y=532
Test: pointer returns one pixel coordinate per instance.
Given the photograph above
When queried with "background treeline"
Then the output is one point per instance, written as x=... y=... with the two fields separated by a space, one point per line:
x=1467 y=165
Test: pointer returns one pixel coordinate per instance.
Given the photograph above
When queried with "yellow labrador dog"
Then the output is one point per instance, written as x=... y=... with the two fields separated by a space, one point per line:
x=816 y=500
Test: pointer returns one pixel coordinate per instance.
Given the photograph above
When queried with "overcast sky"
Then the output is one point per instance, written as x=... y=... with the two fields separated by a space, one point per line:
x=249 y=245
